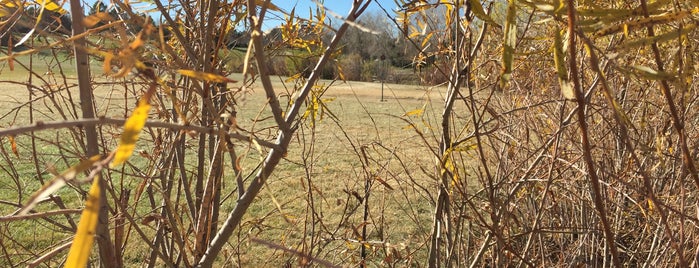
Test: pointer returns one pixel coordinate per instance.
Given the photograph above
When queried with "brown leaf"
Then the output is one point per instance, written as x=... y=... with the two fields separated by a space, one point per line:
x=14 y=145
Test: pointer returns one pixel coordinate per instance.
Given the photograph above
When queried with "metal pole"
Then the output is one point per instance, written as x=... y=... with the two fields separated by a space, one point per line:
x=383 y=75
x=382 y=99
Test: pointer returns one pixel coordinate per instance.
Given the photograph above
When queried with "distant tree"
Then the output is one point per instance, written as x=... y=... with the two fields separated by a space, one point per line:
x=380 y=36
x=96 y=7
x=237 y=39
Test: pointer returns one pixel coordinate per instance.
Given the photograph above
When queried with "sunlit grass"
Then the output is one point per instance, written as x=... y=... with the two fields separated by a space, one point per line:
x=330 y=181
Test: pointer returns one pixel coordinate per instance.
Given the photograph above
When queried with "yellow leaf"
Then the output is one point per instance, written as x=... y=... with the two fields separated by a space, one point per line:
x=85 y=235
x=509 y=42
x=268 y=5
x=349 y=245
x=132 y=128
x=259 y=149
x=427 y=39
x=477 y=10
x=559 y=56
x=294 y=77
x=416 y=112
x=206 y=76
x=340 y=73
x=414 y=34
x=10 y=3
x=666 y=37
x=44 y=5
x=417 y=6
x=643 y=22
x=465 y=148
x=51 y=6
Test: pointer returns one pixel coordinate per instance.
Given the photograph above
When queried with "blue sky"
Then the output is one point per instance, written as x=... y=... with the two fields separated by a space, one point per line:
x=339 y=7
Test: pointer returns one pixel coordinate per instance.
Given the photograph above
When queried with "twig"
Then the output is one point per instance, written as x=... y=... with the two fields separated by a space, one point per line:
x=586 y=147
x=39 y=215
x=49 y=254
x=300 y=254
x=39 y=126
x=283 y=140
x=674 y=113
x=256 y=35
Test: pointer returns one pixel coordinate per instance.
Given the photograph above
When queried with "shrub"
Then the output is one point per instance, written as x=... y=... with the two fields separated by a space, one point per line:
x=351 y=66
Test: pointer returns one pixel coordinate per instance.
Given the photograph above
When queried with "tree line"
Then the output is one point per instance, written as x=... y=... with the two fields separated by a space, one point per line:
x=375 y=51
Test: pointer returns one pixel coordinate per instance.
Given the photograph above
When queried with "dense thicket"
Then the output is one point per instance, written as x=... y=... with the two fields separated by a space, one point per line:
x=559 y=134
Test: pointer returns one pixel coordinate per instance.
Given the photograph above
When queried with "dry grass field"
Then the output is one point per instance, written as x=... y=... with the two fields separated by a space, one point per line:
x=324 y=174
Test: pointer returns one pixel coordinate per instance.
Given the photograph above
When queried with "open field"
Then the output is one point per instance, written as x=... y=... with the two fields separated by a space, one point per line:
x=331 y=166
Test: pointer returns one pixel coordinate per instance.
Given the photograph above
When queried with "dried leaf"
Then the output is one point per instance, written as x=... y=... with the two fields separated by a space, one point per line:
x=559 y=62
x=643 y=22
x=652 y=74
x=567 y=89
x=79 y=252
x=26 y=36
x=13 y=144
x=268 y=5
x=416 y=6
x=384 y=183
x=206 y=76
x=477 y=10
x=138 y=42
x=666 y=37
x=107 y=66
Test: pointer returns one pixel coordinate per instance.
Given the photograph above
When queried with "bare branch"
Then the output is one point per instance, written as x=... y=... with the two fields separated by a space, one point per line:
x=39 y=126
x=39 y=215
x=283 y=140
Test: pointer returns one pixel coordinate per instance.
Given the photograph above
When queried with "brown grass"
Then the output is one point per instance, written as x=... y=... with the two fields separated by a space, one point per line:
x=329 y=182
